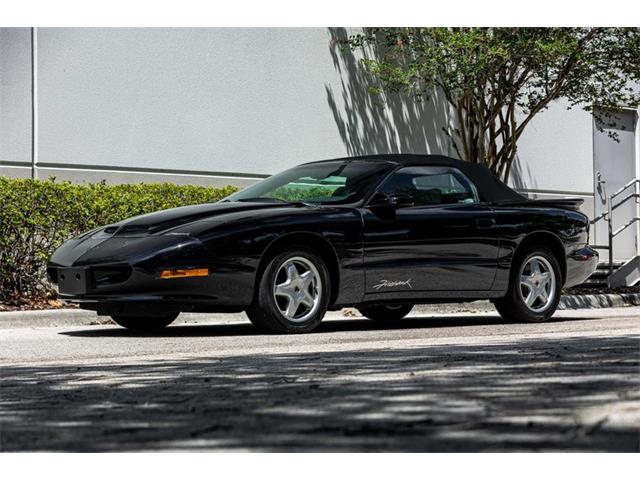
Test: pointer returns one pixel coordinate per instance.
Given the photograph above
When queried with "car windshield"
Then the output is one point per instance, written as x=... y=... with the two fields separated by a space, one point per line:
x=326 y=183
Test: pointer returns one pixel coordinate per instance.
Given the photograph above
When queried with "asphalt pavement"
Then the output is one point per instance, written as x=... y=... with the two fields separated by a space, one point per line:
x=437 y=383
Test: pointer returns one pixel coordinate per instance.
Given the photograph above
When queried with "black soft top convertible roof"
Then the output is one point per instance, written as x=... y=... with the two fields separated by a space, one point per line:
x=489 y=187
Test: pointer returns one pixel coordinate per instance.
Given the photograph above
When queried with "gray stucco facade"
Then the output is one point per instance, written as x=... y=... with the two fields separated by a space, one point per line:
x=229 y=106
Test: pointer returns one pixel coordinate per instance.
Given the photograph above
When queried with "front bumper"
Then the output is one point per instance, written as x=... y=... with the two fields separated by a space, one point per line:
x=580 y=265
x=138 y=288
x=126 y=270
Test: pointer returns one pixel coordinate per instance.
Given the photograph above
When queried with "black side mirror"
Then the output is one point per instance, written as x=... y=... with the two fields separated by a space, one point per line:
x=395 y=200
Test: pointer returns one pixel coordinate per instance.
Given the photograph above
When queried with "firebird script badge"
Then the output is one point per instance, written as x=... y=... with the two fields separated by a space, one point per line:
x=394 y=283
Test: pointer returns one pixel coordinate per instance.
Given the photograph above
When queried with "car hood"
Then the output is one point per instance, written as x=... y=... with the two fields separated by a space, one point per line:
x=167 y=220
x=176 y=231
x=149 y=234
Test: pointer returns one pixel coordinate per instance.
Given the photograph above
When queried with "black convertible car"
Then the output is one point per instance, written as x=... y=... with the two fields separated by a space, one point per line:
x=380 y=233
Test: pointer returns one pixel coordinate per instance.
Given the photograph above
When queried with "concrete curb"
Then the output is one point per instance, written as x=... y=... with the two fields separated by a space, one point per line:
x=69 y=317
x=567 y=302
x=48 y=315
x=64 y=317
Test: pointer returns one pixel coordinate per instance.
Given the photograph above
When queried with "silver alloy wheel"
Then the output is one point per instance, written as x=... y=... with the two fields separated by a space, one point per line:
x=297 y=289
x=537 y=284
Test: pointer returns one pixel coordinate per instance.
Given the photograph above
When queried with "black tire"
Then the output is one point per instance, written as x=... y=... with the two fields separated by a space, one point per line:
x=385 y=313
x=266 y=314
x=512 y=307
x=144 y=324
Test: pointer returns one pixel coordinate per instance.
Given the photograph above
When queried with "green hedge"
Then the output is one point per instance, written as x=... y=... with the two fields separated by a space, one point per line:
x=37 y=216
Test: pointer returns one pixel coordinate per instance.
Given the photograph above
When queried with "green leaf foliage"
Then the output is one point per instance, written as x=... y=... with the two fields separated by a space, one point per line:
x=496 y=80
x=294 y=194
x=39 y=215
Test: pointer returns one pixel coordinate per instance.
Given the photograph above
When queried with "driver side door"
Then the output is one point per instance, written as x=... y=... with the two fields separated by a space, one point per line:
x=442 y=240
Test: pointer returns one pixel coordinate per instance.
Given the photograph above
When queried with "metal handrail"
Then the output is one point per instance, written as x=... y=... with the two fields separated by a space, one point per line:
x=599 y=217
x=608 y=216
x=626 y=225
x=622 y=189
x=624 y=200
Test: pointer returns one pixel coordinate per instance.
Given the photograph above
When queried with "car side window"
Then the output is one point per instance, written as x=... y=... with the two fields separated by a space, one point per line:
x=431 y=185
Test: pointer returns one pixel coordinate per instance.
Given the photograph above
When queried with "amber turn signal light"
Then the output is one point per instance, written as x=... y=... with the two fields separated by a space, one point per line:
x=184 y=272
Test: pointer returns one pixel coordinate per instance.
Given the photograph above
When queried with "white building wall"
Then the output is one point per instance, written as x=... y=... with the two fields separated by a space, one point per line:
x=555 y=156
x=246 y=101
x=219 y=106
x=555 y=152
x=15 y=101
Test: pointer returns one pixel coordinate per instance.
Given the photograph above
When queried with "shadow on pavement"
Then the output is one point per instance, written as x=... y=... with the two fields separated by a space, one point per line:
x=527 y=395
x=347 y=325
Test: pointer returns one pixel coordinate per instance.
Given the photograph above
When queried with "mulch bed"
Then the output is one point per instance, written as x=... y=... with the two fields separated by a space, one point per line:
x=28 y=304
x=600 y=291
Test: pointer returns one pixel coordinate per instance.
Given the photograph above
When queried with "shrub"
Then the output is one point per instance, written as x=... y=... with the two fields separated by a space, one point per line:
x=293 y=194
x=37 y=216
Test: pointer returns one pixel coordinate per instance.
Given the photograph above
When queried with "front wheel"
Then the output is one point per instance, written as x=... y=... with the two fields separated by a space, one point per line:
x=534 y=288
x=293 y=293
x=144 y=324
x=384 y=313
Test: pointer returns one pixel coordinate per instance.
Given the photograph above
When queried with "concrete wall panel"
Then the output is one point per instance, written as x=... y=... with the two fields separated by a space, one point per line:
x=15 y=94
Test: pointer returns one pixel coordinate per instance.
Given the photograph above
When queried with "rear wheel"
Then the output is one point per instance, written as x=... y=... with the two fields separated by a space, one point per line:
x=144 y=323
x=534 y=288
x=385 y=313
x=293 y=293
